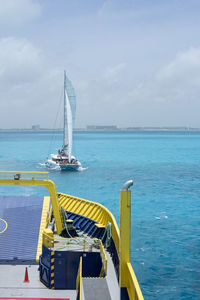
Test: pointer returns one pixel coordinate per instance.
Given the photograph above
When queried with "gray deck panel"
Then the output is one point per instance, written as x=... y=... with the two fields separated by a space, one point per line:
x=111 y=278
x=95 y=289
x=19 y=242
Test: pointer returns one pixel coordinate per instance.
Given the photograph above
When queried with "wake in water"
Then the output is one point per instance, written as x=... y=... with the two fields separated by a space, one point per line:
x=50 y=166
x=81 y=169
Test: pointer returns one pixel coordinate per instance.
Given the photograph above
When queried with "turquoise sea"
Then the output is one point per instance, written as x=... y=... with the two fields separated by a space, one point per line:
x=165 y=167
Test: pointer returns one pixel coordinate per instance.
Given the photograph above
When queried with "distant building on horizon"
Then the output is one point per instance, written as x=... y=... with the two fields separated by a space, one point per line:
x=36 y=127
x=101 y=127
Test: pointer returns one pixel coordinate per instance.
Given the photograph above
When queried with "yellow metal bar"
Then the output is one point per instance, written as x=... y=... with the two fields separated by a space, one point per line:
x=50 y=185
x=79 y=239
x=127 y=276
x=23 y=175
x=43 y=225
x=133 y=287
x=125 y=225
x=24 y=172
x=104 y=260
x=48 y=238
x=84 y=245
x=79 y=279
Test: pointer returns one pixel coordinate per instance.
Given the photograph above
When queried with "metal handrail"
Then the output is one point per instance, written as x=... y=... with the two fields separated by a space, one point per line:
x=79 y=280
x=104 y=260
x=23 y=175
x=83 y=242
x=16 y=179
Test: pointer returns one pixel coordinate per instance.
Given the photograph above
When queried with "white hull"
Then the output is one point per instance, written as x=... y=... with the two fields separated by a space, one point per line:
x=70 y=167
x=63 y=163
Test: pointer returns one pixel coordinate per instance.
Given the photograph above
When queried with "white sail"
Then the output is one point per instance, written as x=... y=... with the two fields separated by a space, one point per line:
x=69 y=115
x=68 y=127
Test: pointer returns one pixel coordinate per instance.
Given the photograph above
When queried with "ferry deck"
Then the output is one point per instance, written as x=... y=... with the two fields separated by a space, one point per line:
x=38 y=262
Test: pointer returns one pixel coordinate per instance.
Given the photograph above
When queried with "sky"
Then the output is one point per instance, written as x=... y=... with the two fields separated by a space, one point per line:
x=132 y=62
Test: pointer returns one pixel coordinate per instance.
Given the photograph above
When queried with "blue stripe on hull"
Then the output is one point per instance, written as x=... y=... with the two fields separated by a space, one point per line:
x=69 y=167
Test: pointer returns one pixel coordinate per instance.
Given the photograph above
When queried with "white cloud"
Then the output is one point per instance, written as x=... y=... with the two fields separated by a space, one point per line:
x=18 y=11
x=20 y=61
x=169 y=98
x=105 y=7
x=99 y=101
x=177 y=81
x=27 y=86
x=112 y=73
x=30 y=87
x=185 y=66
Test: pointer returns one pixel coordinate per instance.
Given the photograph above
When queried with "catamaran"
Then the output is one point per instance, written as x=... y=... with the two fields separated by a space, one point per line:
x=64 y=158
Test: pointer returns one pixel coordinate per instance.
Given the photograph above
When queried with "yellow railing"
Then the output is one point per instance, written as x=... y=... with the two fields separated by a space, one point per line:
x=37 y=179
x=43 y=225
x=92 y=210
x=133 y=287
x=79 y=280
x=23 y=175
x=82 y=244
x=48 y=238
x=104 y=260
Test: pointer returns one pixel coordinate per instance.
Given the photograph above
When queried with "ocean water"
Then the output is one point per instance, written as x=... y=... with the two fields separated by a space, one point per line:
x=165 y=167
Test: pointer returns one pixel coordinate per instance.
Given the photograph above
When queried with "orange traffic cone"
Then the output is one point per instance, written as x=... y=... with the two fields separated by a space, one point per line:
x=26 y=276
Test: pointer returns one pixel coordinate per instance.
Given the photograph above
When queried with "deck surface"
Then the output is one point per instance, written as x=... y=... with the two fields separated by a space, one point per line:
x=18 y=243
x=12 y=284
x=95 y=289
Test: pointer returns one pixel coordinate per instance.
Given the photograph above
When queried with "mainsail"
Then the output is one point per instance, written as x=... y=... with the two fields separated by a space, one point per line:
x=69 y=114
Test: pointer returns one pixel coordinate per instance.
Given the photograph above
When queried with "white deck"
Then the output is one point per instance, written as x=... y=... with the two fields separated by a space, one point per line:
x=12 y=285
x=111 y=279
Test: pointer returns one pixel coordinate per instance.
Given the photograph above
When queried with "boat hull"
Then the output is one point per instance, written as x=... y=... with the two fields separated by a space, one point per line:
x=69 y=167
x=62 y=165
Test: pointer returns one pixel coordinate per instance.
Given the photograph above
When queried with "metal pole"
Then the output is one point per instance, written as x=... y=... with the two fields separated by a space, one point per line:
x=125 y=230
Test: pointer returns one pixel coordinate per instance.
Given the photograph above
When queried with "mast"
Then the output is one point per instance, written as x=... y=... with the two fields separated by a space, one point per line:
x=68 y=118
x=65 y=135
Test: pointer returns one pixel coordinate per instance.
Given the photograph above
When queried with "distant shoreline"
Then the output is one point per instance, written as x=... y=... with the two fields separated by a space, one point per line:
x=129 y=129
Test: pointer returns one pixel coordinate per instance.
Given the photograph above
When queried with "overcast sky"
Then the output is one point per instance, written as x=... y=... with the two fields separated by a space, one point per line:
x=131 y=62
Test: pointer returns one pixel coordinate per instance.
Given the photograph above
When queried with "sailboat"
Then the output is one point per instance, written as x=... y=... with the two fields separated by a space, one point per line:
x=64 y=158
